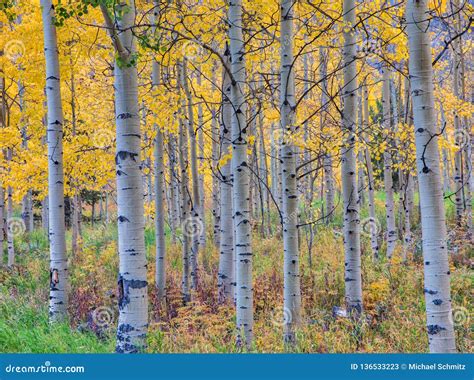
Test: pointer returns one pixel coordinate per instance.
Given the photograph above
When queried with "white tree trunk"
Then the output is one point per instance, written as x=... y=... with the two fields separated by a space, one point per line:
x=174 y=203
x=160 y=263
x=216 y=205
x=387 y=166
x=435 y=254
x=352 y=265
x=10 y=223
x=132 y=281
x=327 y=160
x=459 y=190
x=45 y=213
x=241 y=177
x=291 y=290
x=185 y=201
x=361 y=151
x=196 y=221
x=58 y=299
x=374 y=243
x=226 y=280
x=200 y=135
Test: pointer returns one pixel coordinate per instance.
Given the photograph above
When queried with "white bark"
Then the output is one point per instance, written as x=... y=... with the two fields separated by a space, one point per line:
x=160 y=263
x=370 y=179
x=435 y=255
x=45 y=213
x=327 y=160
x=58 y=299
x=185 y=201
x=352 y=265
x=459 y=191
x=132 y=281
x=226 y=280
x=216 y=205
x=241 y=177
x=360 y=152
x=10 y=223
x=27 y=201
x=196 y=219
x=387 y=167
x=174 y=203
x=291 y=290
x=200 y=135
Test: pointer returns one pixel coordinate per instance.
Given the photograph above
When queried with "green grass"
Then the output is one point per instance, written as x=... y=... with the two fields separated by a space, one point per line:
x=24 y=327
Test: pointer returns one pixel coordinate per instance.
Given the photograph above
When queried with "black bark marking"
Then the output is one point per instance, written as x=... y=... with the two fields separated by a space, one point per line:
x=435 y=329
x=122 y=155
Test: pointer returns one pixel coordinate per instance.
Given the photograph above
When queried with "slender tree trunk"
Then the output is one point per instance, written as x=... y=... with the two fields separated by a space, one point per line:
x=45 y=213
x=11 y=223
x=373 y=225
x=75 y=198
x=107 y=213
x=185 y=202
x=226 y=280
x=58 y=298
x=352 y=267
x=387 y=166
x=291 y=292
x=200 y=135
x=467 y=133
x=459 y=138
x=264 y=173
x=216 y=205
x=408 y=183
x=361 y=151
x=435 y=254
x=75 y=224
x=446 y=160
x=327 y=160
x=132 y=280
x=196 y=221
x=273 y=163
x=174 y=205
x=241 y=177
x=160 y=263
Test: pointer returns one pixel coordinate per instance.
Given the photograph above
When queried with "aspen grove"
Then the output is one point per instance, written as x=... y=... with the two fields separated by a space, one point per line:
x=236 y=176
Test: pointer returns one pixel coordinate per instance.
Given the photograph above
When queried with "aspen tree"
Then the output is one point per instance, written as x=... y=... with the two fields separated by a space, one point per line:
x=352 y=265
x=291 y=292
x=240 y=179
x=58 y=297
x=435 y=255
x=132 y=279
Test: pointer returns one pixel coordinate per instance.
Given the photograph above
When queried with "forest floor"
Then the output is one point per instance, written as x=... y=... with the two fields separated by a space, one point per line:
x=393 y=321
